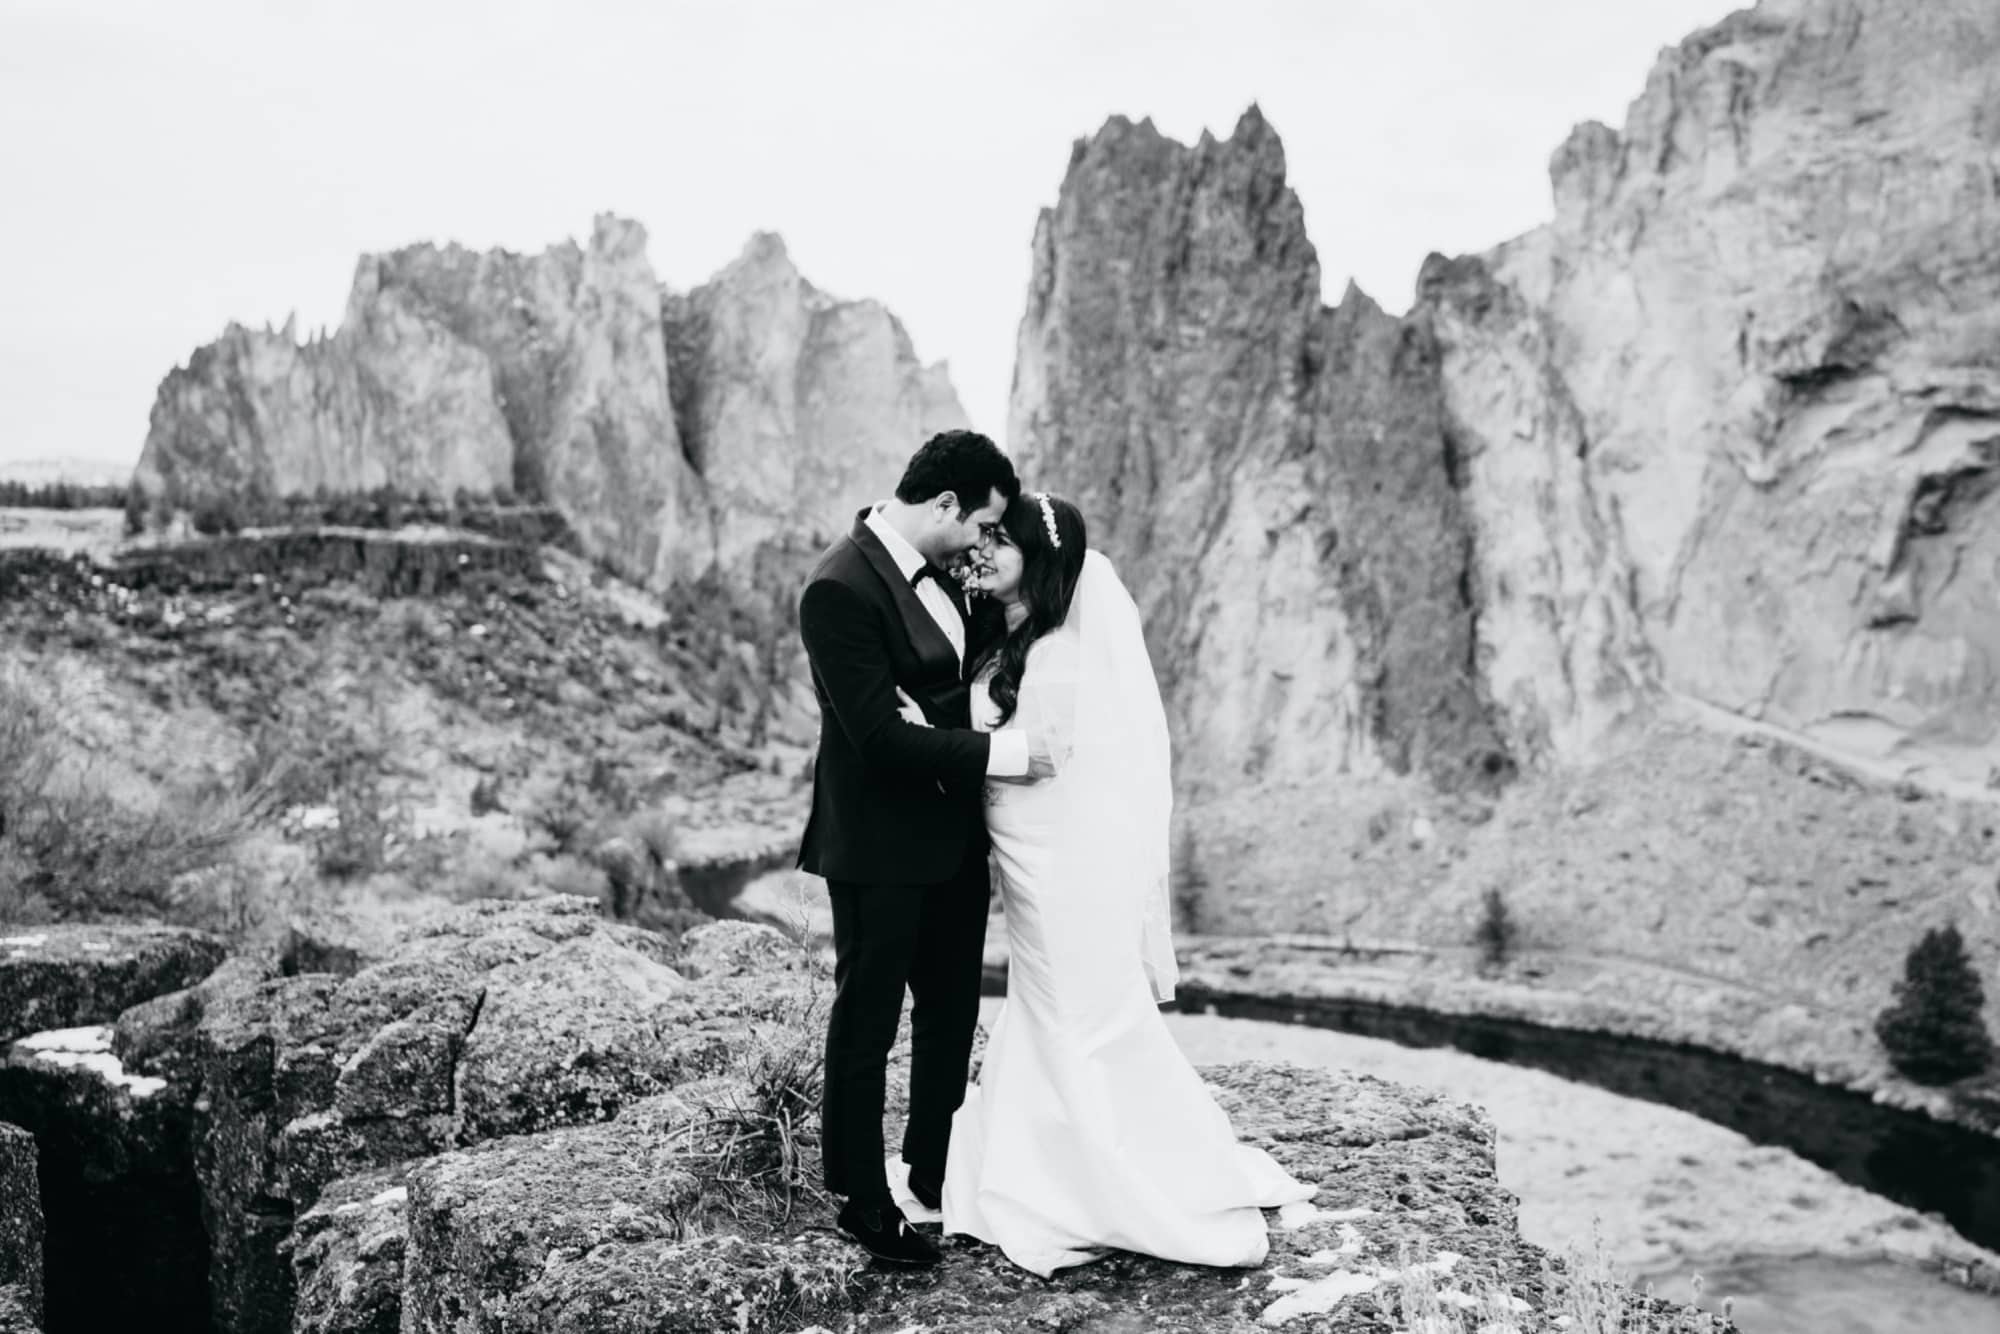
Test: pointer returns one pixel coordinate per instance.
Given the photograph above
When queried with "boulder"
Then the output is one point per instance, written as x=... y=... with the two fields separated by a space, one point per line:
x=20 y=1223
x=347 y=1256
x=68 y=976
x=485 y=1222
x=17 y=1316
x=610 y=1228
x=124 y=1245
x=491 y=1020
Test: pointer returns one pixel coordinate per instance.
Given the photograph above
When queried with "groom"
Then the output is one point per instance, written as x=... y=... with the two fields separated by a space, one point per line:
x=897 y=826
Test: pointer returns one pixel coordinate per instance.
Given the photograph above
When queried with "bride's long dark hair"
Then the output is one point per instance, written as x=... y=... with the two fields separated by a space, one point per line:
x=1048 y=581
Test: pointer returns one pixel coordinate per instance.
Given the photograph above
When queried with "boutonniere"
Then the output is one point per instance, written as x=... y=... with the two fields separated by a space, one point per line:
x=972 y=570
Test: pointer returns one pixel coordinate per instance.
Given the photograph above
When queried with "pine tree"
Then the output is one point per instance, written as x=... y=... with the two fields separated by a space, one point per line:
x=1935 y=1029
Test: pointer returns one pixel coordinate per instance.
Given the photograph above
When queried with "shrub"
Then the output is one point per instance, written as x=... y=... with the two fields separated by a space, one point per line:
x=1935 y=1028
x=216 y=517
x=486 y=796
x=70 y=851
x=1496 y=934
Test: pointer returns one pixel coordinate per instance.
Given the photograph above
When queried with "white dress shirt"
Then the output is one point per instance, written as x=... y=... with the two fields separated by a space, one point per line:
x=1007 y=756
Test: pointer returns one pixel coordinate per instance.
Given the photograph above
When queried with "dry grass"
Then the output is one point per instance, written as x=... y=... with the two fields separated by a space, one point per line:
x=1588 y=1291
x=71 y=850
x=1583 y=1293
x=758 y=1155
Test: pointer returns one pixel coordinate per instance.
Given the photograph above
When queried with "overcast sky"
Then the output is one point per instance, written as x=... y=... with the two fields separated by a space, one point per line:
x=169 y=168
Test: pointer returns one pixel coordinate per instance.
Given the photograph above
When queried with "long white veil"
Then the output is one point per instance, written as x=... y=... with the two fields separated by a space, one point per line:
x=1109 y=730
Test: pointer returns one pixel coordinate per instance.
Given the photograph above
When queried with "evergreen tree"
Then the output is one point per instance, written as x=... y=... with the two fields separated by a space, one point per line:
x=1935 y=1029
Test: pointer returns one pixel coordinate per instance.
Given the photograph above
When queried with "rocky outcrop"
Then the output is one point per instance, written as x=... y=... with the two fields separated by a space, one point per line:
x=124 y=1244
x=1276 y=481
x=66 y=976
x=674 y=433
x=1767 y=305
x=452 y=370
x=496 y=1020
x=798 y=408
x=20 y=1226
x=523 y=1118
x=618 y=1227
x=1727 y=429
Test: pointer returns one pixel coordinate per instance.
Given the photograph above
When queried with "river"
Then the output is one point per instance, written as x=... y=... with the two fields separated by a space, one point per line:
x=1798 y=1250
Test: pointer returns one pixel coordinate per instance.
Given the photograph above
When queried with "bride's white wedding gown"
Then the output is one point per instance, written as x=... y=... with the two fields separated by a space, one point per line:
x=1088 y=1129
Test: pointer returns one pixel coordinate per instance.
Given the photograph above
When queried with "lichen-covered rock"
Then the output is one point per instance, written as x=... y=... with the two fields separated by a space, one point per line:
x=67 y=976
x=20 y=1220
x=729 y=949
x=485 y=1221
x=696 y=1286
x=124 y=1243
x=605 y=1228
x=493 y=1019
x=347 y=1256
x=17 y=1315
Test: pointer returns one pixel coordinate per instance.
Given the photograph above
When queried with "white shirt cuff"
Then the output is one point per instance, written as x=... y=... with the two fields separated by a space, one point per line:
x=1007 y=755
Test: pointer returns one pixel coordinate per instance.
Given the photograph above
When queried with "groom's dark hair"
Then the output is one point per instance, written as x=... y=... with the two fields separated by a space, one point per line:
x=965 y=463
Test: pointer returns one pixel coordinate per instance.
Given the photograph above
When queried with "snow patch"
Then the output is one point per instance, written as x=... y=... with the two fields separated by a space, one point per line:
x=95 y=1037
x=1318 y=1296
x=1351 y=1245
x=89 y=1049
x=24 y=942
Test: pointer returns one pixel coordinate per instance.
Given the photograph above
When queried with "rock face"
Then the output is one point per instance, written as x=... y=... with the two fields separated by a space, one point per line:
x=501 y=1019
x=672 y=433
x=1768 y=307
x=798 y=408
x=124 y=1245
x=66 y=976
x=1275 y=480
x=20 y=1225
x=615 y=1227
x=523 y=1118
x=1728 y=428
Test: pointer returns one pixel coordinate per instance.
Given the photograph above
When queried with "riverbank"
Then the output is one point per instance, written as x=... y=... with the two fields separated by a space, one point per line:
x=1620 y=996
x=1795 y=1248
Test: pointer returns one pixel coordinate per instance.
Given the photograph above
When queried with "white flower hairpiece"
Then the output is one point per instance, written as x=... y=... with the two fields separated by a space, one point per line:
x=1049 y=519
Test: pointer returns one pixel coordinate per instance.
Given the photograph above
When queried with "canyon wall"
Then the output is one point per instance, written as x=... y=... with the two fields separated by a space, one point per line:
x=1727 y=429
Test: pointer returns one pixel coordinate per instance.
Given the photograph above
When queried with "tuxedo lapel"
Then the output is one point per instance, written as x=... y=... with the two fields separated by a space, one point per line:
x=933 y=648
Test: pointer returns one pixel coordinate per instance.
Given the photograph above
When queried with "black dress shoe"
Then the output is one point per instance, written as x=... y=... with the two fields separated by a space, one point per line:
x=928 y=1192
x=885 y=1234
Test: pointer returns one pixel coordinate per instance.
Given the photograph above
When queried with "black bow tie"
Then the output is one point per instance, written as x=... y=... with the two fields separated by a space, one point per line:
x=930 y=571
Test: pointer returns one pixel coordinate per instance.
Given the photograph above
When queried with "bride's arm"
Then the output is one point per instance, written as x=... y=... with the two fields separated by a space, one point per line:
x=1047 y=707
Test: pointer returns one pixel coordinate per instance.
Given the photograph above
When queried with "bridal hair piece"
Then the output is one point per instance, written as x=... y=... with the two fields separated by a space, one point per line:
x=1049 y=519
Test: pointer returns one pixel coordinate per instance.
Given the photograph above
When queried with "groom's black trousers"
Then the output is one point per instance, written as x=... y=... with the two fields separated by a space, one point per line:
x=930 y=938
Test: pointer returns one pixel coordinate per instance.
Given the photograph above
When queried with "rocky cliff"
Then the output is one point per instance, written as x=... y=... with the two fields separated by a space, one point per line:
x=1726 y=429
x=1770 y=307
x=524 y=1118
x=797 y=408
x=673 y=432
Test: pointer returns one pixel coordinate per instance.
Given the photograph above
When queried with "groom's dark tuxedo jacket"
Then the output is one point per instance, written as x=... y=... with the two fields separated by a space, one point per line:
x=893 y=803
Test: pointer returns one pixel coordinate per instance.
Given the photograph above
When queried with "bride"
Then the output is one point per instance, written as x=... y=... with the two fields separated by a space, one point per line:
x=1088 y=1130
